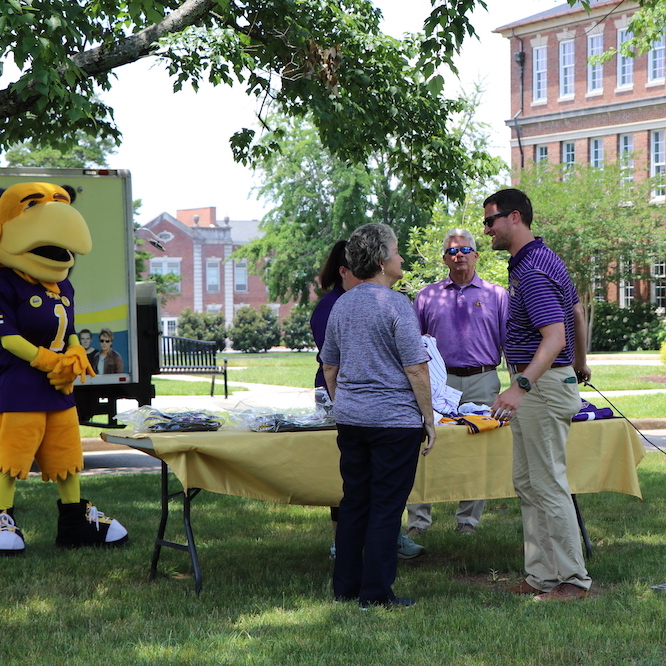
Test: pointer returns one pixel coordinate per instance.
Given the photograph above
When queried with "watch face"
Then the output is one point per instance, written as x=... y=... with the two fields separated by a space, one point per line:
x=524 y=383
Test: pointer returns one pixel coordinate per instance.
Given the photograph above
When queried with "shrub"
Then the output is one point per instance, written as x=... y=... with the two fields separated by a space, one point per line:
x=203 y=326
x=296 y=332
x=254 y=330
x=635 y=328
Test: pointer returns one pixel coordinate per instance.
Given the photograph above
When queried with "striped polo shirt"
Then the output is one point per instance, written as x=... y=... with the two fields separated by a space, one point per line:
x=540 y=293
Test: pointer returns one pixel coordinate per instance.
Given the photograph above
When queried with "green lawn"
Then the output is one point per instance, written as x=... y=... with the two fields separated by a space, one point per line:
x=285 y=369
x=267 y=598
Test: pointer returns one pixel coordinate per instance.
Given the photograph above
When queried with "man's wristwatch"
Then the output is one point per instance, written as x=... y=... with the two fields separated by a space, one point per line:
x=524 y=383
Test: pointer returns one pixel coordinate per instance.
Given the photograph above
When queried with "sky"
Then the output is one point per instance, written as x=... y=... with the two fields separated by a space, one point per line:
x=176 y=145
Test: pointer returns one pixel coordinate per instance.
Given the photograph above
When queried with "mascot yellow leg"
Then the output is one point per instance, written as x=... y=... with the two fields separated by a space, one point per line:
x=69 y=489
x=52 y=439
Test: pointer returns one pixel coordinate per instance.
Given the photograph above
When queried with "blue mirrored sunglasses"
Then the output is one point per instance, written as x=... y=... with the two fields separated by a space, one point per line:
x=454 y=250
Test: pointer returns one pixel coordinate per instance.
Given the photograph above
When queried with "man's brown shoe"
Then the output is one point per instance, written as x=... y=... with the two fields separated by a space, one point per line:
x=523 y=588
x=465 y=528
x=563 y=592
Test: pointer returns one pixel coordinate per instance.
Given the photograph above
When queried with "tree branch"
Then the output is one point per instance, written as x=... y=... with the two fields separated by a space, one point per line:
x=104 y=58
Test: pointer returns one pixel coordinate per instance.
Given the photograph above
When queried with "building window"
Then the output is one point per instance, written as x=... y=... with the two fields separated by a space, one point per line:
x=656 y=61
x=657 y=162
x=539 y=73
x=568 y=154
x=541 y=153
x=597 y=152
x=658 y=285
x=626 y=293
x=165 y=236
x=213 y=277
x=567 y=68
x=625 y=63
x=598 y=285
x=595 y=72
x=626 y=154
x=164 y=266
x=240 y=276
x=170 y=326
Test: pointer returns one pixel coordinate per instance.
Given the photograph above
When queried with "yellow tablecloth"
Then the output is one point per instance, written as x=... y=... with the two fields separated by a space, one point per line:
x=302 y=467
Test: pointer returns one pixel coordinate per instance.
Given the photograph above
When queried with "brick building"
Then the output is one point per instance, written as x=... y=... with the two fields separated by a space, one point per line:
x=197 y=248
x=566 y=110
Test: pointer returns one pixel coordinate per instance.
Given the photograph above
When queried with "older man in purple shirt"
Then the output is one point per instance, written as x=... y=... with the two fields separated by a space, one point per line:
x=467 y=316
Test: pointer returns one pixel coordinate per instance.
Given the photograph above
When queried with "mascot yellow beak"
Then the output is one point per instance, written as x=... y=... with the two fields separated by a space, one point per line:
x=40 y=231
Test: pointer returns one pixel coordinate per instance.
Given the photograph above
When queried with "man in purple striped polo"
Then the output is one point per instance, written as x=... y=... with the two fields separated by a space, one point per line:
x=545 y=348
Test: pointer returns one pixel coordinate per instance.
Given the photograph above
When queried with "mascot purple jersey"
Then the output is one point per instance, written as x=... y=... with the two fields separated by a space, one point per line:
x=46 y=320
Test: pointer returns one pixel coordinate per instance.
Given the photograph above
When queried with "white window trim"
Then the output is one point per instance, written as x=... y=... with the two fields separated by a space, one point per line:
x=594 y=68
x=623 y=34
x=544 y=98
x=165 y=261
x=564 y=152
x=658 y=163
x=169 y=326
x=567 y=68
x=217 y=262
x=626 y=157
x=657 y=80
x=596 y=145
x=658 y=275
x=241 y=263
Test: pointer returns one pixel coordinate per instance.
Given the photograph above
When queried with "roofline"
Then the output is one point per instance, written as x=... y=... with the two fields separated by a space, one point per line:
x=549 y=16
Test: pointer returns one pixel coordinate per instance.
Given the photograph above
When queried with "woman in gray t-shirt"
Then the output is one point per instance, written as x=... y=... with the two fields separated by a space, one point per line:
x=376 y=370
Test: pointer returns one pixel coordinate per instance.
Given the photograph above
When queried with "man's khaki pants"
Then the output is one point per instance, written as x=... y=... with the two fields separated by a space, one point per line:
x=553 y=552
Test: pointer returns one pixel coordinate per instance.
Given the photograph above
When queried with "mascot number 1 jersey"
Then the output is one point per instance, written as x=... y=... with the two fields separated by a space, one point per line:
x=46 y=320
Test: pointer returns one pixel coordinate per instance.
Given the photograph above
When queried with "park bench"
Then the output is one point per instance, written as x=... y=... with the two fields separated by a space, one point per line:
x=186 y=356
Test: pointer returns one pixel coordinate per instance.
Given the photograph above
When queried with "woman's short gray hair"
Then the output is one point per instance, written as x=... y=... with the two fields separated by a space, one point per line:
x=367 y=247
x=455 y=233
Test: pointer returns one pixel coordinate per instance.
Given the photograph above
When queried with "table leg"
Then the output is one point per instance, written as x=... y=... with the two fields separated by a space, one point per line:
x=160 y=541
x=583 y=529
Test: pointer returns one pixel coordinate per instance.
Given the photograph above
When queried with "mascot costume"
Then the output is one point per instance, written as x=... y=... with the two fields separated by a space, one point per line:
x=40 y=357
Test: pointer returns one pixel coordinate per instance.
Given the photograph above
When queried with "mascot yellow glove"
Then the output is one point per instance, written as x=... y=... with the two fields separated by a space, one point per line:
x=70 y=365
x=63 y=369
x=45 y=360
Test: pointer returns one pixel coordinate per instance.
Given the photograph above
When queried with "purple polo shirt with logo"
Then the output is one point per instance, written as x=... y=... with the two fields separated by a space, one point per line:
x=46 y=320
x=469 y=322
x=540 y=293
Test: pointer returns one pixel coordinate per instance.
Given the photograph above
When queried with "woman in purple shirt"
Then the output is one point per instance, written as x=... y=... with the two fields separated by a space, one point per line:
x=335 y=278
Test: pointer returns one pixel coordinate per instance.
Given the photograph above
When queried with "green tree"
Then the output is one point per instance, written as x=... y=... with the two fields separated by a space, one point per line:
x=364 y=91
x=254 y=330
x=634 y=328
x=203 y=326
x=604 y=226
x=424 y=246
x=296 y=331
x=320 y=199
x=87 y=152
